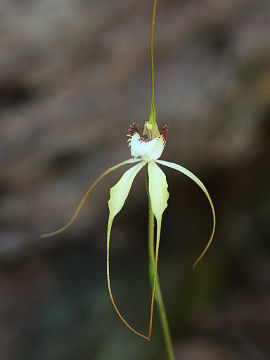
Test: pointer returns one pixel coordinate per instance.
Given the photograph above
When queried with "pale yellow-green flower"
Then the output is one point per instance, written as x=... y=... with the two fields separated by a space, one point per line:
x=145 y=151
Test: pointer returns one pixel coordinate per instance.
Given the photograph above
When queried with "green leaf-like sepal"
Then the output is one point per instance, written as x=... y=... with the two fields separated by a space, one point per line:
x=201 y=185
x=118 y=196
x=158 y=191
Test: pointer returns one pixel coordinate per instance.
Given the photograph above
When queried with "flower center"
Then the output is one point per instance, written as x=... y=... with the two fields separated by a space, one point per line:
x=146 y=147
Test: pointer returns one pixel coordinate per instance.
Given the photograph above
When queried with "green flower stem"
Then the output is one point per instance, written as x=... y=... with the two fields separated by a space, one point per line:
x=158 y=294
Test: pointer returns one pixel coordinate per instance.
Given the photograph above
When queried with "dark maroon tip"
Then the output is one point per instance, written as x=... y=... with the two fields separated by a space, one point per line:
x=164 y=132
x=133 y=129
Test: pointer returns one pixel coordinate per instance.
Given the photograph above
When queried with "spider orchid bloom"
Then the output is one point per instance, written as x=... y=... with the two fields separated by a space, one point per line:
x=145 y=151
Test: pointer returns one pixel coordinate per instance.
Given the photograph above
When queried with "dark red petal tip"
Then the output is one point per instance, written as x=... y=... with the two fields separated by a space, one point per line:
x=164 y=132
x=133 y=129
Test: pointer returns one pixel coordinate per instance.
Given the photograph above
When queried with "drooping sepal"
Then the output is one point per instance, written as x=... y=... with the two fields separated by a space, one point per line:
x=118 y=196
x=158 y=190
x=203 y=188
x=87 y=194
x=158 y=193
x=119 y=192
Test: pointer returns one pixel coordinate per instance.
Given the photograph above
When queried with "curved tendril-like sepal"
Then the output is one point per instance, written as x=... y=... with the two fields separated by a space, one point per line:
x=85 y=197
x=118 y=196
x=158 y=191
x=201 y=185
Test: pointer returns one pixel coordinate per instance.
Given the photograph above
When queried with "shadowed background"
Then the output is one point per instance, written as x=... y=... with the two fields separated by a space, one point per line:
x=73 y=75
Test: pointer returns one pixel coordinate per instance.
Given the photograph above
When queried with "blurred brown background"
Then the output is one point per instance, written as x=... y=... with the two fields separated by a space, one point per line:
x=73 y=75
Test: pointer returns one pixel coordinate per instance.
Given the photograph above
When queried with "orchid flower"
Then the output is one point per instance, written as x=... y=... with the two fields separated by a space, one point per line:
x=146 y=150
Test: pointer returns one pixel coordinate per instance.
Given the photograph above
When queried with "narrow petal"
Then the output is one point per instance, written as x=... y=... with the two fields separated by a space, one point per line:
x=158 y=190
x=201 y=185
x=118 y=196
x=159 y=201
x=85 y=197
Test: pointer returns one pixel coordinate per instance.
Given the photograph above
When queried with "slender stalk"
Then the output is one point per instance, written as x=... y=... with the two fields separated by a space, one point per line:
x=153 y=259
x=158 y=294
